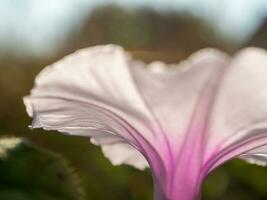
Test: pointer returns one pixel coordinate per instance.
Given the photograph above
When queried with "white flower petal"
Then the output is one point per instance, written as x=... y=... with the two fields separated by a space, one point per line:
x=84 y=93
x=123 y=153
x=256 y=156
x=239 y=120
x=173 y=93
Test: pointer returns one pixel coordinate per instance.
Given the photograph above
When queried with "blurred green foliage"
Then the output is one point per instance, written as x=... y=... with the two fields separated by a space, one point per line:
x=236 y=180
x=148 y=35
x=31 y=173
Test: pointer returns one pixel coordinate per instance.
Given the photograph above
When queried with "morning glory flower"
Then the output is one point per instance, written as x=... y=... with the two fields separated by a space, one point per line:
x=182 y=121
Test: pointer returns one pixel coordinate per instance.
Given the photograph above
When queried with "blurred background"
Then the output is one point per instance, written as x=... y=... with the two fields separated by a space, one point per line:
x=34 y=34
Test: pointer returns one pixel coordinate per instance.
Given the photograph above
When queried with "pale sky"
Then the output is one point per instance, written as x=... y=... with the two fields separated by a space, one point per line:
x=39 y=26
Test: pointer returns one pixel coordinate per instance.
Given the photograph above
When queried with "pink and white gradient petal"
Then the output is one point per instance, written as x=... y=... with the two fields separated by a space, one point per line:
x=182 y=120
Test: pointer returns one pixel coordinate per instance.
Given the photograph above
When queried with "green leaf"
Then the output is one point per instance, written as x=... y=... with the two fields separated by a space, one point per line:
x=30 y=173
